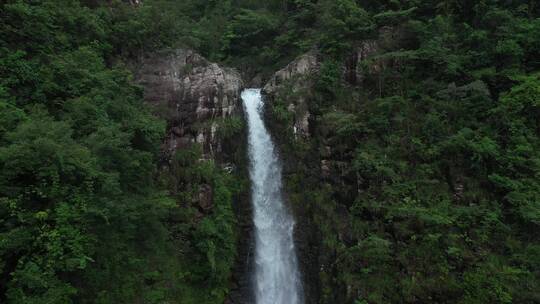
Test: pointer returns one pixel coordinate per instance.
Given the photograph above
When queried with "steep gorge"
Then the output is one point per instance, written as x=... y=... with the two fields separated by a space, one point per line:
x=403 y=140
x=200 y=101
x=276 y=275
x=197 y=98
x=320 y=183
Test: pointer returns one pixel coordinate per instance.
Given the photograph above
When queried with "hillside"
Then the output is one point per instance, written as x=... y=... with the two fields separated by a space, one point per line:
x=408 y=130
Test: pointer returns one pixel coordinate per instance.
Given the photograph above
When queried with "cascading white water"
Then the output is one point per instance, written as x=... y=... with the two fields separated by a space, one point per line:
x=277 y=279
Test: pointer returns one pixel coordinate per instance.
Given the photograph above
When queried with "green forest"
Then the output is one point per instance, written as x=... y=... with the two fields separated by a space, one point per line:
x=433 y=195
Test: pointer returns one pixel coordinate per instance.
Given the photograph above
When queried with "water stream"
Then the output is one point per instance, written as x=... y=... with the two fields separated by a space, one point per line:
x=276 y=277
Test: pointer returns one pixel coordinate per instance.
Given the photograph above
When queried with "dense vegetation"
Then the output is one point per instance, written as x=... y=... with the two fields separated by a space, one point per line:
x=84 y=215
x=431 y=191
x=434 y=191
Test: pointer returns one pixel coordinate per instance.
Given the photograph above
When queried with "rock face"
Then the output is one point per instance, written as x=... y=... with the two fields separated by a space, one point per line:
x=296 y=75
x=196 y=98
x=353 y=72
x=290 y=91
x=193 y=95
x=304 y=65
x=294 y=82
x=295 y=79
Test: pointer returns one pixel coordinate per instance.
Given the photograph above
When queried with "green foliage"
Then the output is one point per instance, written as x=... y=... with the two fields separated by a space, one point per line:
x=393 y=17
x=230 y=127
x=249 y=27
x=422 y=181
x=340 y=23
x=424 y=187
x=83 y=216
x=207 y=242
x=329 y=79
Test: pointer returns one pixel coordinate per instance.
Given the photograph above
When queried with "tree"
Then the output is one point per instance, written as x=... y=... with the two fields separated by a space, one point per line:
x=340 y=24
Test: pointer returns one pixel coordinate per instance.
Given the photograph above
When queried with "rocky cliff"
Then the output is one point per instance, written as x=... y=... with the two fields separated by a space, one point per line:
x=294 y=84
x=195 y=96
x=309 y=158
x=295 y=79
x=200 y=101
x=288 y=116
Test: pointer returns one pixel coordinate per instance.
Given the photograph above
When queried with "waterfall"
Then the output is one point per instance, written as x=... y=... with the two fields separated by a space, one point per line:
x=276 y=277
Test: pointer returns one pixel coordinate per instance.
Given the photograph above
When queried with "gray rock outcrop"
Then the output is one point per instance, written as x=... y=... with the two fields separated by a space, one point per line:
x=291 y=93
x=192 y=94
x=294 y=83
x=295 y=73
x=294 y=80
x=199 y=100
